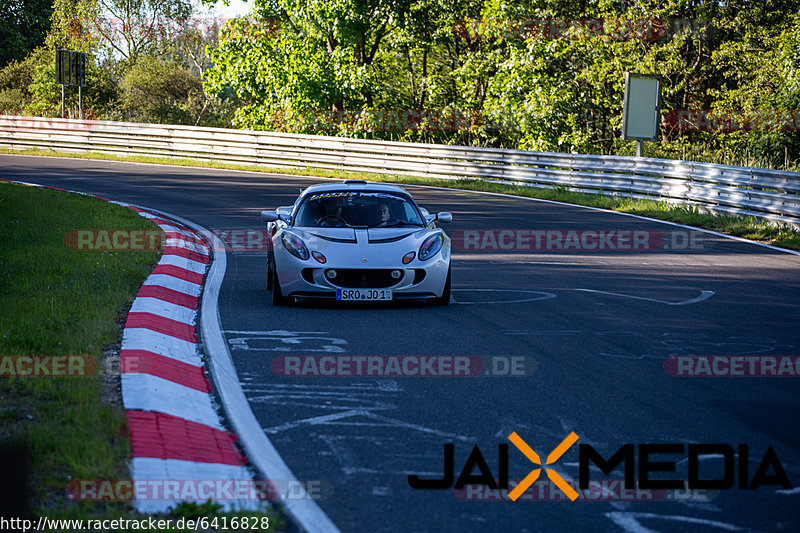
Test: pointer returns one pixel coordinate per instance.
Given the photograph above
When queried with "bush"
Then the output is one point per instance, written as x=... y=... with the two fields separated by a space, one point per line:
x=15 y=82
x=160 y=91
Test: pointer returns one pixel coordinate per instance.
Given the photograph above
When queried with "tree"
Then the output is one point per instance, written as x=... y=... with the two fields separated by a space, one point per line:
x=540 y=74
x=23 y=27
x=298 y=56
x=160 y=91
x=131 y=28
x=15 y=81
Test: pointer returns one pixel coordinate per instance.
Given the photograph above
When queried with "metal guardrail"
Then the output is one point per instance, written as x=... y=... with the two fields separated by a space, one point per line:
x=768 y=194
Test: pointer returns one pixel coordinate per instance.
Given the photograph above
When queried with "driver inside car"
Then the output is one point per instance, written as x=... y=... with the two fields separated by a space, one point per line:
x=384 y=214
x=331 y=212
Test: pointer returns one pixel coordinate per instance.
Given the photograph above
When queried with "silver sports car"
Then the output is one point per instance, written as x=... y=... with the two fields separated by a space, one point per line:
x=357 y=241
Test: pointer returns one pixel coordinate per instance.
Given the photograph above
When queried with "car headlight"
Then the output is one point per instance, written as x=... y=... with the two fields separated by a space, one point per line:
x=295 y=246
x=430 y=247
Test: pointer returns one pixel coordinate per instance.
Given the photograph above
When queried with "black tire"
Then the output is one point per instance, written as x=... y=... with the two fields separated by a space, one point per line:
x=277 y=296
x=269 y=271
x=444 y=299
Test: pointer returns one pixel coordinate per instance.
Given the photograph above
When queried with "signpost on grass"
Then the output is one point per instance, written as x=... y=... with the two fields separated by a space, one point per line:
x=71 y=70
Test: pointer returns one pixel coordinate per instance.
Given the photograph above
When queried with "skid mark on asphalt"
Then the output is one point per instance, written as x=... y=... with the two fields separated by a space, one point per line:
x=539 y=295
x=704 y=295
x=285 y=341
x=631 y=522
x=673 y=343
x=566 y=332
x=695 y=344
x=395 y=458
x=352 y=422
x=361 y=396
x=509 y=296
x=364 y=418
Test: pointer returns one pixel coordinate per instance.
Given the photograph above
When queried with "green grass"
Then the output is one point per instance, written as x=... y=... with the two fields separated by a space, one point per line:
x=747 y=227
x=60 y=301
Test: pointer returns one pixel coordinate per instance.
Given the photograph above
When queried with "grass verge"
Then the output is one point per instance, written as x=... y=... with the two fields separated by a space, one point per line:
x=59 y=301
x=783 y=236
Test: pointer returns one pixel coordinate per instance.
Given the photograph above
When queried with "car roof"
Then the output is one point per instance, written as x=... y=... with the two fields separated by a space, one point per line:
x=354 y=185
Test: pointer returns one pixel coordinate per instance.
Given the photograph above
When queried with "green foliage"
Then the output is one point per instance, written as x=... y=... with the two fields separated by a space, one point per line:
x=543 y=75
x=164 y=91
x=160 y=91
x=129 y=29
x=23 y=26
x=195 y=510
x=29 y=87
x=70 y=24
x=15 y=81
x=304 y=57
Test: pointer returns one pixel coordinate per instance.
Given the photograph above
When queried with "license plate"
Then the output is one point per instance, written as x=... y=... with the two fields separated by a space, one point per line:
x=363 y=295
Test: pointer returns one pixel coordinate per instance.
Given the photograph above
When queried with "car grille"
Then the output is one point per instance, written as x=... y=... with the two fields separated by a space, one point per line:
x=362 y=278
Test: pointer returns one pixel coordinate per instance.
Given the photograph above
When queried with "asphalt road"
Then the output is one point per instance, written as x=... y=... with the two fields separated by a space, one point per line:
x=597 y=325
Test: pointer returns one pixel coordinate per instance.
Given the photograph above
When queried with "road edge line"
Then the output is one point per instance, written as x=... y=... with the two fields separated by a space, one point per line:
x=263 y=455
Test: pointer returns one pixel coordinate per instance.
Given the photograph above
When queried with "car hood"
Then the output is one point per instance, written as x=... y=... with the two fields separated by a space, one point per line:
x=375 y=247
x=343 y=235
x=384 y=235
x=351 y=235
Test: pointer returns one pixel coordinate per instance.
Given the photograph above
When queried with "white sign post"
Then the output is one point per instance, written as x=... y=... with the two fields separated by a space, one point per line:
x=640 y=110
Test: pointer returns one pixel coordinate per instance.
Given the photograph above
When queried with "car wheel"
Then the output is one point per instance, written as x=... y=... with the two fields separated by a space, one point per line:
x=444 y=299
x=269 y=271
x=277 y=296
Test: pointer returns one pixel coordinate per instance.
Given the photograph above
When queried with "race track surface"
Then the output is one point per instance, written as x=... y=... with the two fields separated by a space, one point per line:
x=594 y=326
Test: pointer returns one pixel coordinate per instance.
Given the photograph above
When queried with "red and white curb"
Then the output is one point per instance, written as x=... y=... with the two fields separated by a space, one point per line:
x=175 y=430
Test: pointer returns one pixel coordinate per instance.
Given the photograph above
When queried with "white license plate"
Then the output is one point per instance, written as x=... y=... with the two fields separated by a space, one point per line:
x=363 y=295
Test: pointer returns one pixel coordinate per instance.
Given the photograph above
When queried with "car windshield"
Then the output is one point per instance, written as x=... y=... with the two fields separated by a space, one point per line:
x=357 y=210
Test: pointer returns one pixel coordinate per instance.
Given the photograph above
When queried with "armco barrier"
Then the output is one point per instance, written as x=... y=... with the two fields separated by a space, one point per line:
x=769 y=194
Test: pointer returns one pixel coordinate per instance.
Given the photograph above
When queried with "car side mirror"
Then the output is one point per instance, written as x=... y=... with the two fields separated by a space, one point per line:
x=269 y=216
x=272 y=216
x=444 y=216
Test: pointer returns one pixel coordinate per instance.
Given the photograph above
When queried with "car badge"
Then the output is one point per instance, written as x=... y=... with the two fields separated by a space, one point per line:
x=364 y=260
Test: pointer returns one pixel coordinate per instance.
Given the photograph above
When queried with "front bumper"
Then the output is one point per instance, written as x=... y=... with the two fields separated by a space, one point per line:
x=309 y=279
